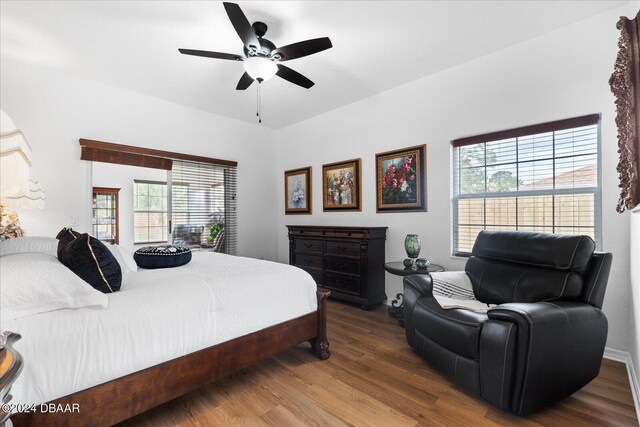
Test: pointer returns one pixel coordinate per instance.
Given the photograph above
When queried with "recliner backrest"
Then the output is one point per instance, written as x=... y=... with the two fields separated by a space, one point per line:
x=524 y=266
x=597 y=277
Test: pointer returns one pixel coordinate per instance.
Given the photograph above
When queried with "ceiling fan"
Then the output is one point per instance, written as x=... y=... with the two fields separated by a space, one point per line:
x=262 y=58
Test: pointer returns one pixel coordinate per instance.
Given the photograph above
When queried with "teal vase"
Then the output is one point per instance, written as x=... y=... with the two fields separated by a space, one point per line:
x=412 y=245
x=423 y=263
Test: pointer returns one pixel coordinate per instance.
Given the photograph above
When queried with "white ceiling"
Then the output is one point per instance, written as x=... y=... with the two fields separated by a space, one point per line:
x=377 y=45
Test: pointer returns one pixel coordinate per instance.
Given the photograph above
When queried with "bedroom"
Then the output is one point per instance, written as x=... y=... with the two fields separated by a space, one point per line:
x=71 y=70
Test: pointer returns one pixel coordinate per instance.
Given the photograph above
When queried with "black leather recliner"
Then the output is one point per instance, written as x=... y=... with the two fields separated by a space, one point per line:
x=545 y=338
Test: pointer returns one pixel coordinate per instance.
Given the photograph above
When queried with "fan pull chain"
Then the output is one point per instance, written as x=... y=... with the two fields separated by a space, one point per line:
x=259 y=102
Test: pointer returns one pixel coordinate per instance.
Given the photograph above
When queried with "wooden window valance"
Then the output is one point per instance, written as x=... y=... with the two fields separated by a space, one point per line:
x=625 y=85
x=121 y=158
x=557 y=125
x=107 y=152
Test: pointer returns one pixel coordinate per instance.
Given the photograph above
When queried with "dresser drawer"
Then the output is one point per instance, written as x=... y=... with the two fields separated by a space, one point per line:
x=342 y=283
x=309 y=246
x=357 y=234
x=342 y=248
x=306 y=261
x=316 y=274
x=313 y=232
x=341 y=265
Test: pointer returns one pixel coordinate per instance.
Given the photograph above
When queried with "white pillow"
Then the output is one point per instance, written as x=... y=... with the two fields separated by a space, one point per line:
x=124 y=256
x=36 y=283
x=41 y=244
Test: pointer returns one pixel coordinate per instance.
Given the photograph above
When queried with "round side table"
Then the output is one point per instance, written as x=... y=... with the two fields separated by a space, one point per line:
x=397 y=267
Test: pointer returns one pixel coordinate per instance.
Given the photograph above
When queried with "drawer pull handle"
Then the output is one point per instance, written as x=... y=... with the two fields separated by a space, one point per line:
x=308 y=260
x=341 y=249
x=340 y=265
x=308 y=245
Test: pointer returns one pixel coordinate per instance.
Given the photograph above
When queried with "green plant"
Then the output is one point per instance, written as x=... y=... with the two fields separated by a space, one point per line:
x=214 y=230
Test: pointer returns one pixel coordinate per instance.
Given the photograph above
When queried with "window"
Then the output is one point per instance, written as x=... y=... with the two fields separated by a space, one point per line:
x=204 y=205
x=540 y=178
x=105 y=214
x=150 y=214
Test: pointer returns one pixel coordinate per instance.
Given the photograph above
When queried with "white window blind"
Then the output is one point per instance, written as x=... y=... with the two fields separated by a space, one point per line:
x=203 y=202
x=539 y=178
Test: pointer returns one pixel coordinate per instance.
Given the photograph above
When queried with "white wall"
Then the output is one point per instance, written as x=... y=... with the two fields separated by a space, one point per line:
x=54 y=110
x=634 y=330
x=558 y=75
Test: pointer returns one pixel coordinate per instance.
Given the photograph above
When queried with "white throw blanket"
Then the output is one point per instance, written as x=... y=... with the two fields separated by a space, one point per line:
x=453 y=289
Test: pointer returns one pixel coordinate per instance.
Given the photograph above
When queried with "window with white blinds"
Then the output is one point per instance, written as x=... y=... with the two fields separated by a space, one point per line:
x=539 y=178
x=150 y=214
x=203 y=206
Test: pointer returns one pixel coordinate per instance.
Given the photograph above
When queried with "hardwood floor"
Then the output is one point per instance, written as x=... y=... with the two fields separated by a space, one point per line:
x=373 y=378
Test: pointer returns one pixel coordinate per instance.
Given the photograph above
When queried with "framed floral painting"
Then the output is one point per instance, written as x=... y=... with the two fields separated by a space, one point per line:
x=297 y=190
x=341 y=186
x=400 y=183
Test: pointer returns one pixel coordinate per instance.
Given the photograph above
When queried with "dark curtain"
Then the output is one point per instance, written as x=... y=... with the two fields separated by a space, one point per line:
x=625 y=85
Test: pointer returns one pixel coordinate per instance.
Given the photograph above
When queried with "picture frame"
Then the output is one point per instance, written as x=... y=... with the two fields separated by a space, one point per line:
x=341 y=186
x=401 y=180
x=297 y=191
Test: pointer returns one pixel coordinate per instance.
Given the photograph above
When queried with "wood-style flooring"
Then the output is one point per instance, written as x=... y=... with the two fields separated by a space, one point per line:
x=373 y=378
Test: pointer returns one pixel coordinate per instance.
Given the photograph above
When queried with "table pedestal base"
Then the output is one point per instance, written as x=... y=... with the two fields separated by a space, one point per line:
x=397 y=267
x=397 y=309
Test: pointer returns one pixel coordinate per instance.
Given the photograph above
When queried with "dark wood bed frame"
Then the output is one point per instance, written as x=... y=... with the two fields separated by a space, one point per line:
x=115 y=401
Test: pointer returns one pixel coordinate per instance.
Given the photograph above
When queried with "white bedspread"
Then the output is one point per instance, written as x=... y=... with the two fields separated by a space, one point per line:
x=157 y=316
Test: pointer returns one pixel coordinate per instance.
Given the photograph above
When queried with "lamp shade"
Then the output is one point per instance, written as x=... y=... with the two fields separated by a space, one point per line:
x=16 y=189
x=260 y=68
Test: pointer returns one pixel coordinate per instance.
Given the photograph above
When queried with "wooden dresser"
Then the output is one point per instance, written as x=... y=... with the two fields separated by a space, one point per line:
x=347 y=260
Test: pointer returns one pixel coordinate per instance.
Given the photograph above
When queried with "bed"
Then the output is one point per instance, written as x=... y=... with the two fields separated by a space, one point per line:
x=164 y=334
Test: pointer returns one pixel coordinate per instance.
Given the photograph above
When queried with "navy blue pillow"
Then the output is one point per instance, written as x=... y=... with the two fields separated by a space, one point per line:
x=65 y=236
x=90 y=259
x=165 y=256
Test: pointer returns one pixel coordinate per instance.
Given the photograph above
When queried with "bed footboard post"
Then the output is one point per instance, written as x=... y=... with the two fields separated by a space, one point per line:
x=320 y=343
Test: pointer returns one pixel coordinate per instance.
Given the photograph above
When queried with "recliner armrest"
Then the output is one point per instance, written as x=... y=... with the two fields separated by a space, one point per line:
x=542 y=312
x=415 y=286
x=421 y=283
x=559 y=350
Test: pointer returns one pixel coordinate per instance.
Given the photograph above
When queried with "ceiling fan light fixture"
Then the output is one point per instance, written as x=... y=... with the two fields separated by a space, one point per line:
x=260 y=68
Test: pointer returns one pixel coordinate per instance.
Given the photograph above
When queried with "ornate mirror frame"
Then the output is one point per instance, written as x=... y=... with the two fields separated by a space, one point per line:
x=625 y=85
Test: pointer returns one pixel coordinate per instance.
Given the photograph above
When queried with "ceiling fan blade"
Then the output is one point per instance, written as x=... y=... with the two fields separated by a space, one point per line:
x=300 y=49
x=245 y=82
x=242 y=26
x=208 y=54
x=293 y=76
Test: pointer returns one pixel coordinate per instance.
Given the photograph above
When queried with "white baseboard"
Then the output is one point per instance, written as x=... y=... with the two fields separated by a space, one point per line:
x=617 y=355
x=625 y=357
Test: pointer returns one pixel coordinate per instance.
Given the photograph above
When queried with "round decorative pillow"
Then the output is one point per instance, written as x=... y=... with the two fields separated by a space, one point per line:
x=164 y=256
